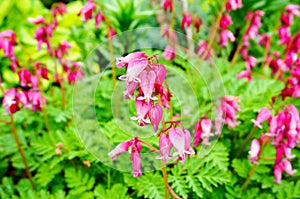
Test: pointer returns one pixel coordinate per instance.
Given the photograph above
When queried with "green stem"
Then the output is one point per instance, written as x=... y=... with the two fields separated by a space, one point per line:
x=250 y=135
x=165 y=175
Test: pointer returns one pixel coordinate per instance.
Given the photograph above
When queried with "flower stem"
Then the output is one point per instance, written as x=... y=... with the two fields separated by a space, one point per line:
x=149 y=146
x=165 y=175
x=250 y=135
x=14 y=132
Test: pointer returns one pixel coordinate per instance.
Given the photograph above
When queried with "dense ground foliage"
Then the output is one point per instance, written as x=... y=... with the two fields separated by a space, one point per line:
x=150 y=99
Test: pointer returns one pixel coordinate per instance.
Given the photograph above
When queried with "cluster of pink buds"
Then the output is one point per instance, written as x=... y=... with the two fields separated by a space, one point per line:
x=7 y=42
x=227 y=113
x=225 y=34
x=58 y=8
x=254 y=20
x=284 y=132
x=87 y=13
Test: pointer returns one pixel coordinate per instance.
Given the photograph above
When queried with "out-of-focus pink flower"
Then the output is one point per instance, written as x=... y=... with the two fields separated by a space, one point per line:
x=167 y=4
x=37 y=20
x=246 y=74
x=180 y=138
x=287 y=167
x=24 y=77
x=197 y=23
x=254 y=151
x=284 y=35
x=142 y=109
x=7 y=42
x=226 y=112
x=264 y=40
x=73 y=76
x=23 y=98
x=277 y=173
x=225 y=36
x=169 y=52
x=36 y=100
x=201 y=50
x=225 y=21
x=147 y=85
x=42 y=35
x=233 y=4
x=62 y=49
x=87 y=10
x=169 y=33
x=186 y=20
x=263 y=115
x=203 y=129
x=10 y=101
x=165 y=147
x=250 y=62
x=58 y=8
x=98 y=19
x=287 y=17
x=155 y=116
x=111 y=33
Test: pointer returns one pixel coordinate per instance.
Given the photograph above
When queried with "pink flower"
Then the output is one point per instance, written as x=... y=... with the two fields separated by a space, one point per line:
x=186 y=20
x=225 y=21
x=134 y=69
x=287 y=167
x=169 y=52
x=38 y=20
x=180 y=138
x=202 y=48
x=233 y=4
x=10 y=101
x=43 y=72
x=135 y=151
x=165 y=147
x=73 y=76
x=87 y=10
x=167 y=4
x=197 y=23
x=147 y=85
x=160 y=71
x=264 y=40
x=25 y=77
x=124 y=61
x=225 y=36
x=284 y=35
x=7 y=42
x=62 y=49
x=58 y=8
x=98 y=19
x=263 y=115
x=42 y=35
x=23 y=98
x=246 y=74
x=36 y=100
x=250 y=62
x=155 y=115
x=142 y=109
x=121 y=148
x=203 y=130
x=277 y=173
x=254 y=151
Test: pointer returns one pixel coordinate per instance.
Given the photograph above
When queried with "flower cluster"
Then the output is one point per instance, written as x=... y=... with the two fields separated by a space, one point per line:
x=226 y=112
x=254 y=20
x=284 y=134
x=7 y=42
x=225 y=34
x=87 y=13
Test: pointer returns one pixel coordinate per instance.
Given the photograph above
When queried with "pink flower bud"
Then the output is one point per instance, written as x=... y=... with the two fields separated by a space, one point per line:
x=167 y=4
x=147 y=85
x=10 y=101
x=87 y=11
x=263 y=115
x=25 y=77
x=38 y=20
x=225 y=21
x=254 y=151
x=165 y=147
x=98 y=19
x=186 y=20
x=155 y=115
x=169 y=52
x=121 y=148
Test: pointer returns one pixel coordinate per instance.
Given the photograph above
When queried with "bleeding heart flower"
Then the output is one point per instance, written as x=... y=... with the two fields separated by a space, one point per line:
x=254 y=151
x=25 y=77
x=263 y=115
x=147 y=85
x=98 y=19
x=142 y=109
x=169 y=52
x=10 y=101
x=165 y=147
x=186 y=20
x=87 y=10
x=155 y=115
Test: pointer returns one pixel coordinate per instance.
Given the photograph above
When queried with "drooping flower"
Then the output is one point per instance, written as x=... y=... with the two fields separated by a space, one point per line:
x=37 y=20
x=169 y=52
x=135 y=157
x=155 y=116
x=58 y=8
x=203 y=131
x=37 y=101
x=24 y=77
x=147 y=85
x=225 y=36
x=87 y=10
x=197 y=23
x=181 y=138
x=284 y=35
x=124 y=61
x=225 y=21
x=186 y=20
x=233 y=4
x=62 y=49
x=202 y=48
x=10 y=101
x=134 y=69
x=254 y=151
x=263 y=115
x=98 y=19
x=142 y=109
x=165 y=147
x=167 y=4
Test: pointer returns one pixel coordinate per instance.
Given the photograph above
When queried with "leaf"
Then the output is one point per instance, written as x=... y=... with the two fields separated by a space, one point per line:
x=242 y=167
x=179 y=185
